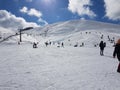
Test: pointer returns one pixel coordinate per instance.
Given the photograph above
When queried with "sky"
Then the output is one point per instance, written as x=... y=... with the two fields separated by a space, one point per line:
x=22 y=13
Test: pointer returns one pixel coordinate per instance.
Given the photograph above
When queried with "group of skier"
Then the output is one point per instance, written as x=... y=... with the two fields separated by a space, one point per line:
x=58 y=44
x=116 y=52
x=102 y=45
x=49 y=43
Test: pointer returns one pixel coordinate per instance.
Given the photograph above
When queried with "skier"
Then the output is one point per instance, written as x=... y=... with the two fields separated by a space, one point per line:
x=82 y=44
x=49 y=43
x=117 y=53
x=34 y=45
x=46 y=43
x=62 y=44
x=102 y=46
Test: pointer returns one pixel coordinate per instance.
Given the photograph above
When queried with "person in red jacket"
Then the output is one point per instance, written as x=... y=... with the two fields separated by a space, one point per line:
x=117 y=53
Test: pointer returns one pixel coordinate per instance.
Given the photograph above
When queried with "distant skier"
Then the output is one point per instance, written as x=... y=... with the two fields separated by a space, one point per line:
x=49 y=43
x=102 y=46
x=82 y=44
x=34 y=45
x=117 y=53
x=62 y=44
x=46 y=43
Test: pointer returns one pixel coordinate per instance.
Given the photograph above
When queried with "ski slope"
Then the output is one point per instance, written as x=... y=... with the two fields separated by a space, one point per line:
x=55 y=68
x=52 y=68
x=70 y=30
x=75 y=31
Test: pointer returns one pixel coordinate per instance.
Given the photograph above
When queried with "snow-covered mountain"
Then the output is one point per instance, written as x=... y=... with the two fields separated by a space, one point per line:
x=75 y=31
x=51 y=68
x=78 y=25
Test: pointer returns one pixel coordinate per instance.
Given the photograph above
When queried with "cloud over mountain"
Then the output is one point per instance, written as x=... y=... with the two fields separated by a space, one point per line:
x=112 y=9
x=8 y=20
x=31 y=12
x=81 y=7
x=34 y=12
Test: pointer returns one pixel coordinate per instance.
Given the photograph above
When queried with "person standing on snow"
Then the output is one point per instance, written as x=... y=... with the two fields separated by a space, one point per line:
x=102 y=46
x=62 y=44
x=117 y=53
x=46 y=43
x=34 y=45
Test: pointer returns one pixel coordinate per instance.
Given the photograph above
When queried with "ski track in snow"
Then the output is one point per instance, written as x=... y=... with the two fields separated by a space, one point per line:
x=52 y=68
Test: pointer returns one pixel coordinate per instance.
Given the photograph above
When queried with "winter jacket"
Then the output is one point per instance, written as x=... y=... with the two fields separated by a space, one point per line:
x=101 y=45
x=117 y=51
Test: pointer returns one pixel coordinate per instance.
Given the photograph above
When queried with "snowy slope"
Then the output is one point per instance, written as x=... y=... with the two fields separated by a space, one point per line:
x=76 y=26
x=52 y=68
x=73 y=30
x=76 y=32
x=4 y=33
x=25 y=39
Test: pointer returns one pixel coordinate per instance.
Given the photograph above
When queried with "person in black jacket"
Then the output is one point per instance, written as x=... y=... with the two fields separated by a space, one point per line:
x=117 y=53
x=102 y=46
x=34 y=45
x=62 y=44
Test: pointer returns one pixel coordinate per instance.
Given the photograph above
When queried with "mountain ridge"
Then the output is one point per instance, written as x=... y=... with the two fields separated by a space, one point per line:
x=76 y=26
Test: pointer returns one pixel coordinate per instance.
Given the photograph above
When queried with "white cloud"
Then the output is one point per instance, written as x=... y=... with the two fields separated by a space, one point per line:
x=8 y=20
x=34 y=12
x=81 y=7
x=24 y=10
x=112 y=9
x=42 y=21
x=31 y=12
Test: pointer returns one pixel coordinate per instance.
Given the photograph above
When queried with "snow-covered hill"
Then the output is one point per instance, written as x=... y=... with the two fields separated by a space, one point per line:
x=72 y=32
x=10 y=36
x=77 y=31
x=23 y=67
x=78 y=25
x=50 y=68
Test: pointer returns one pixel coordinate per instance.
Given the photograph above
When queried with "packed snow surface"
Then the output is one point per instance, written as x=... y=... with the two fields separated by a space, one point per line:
x=50 y=68
x=23 y=67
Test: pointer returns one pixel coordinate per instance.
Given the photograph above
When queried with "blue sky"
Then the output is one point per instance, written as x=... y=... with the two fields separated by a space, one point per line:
x=42 y=12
